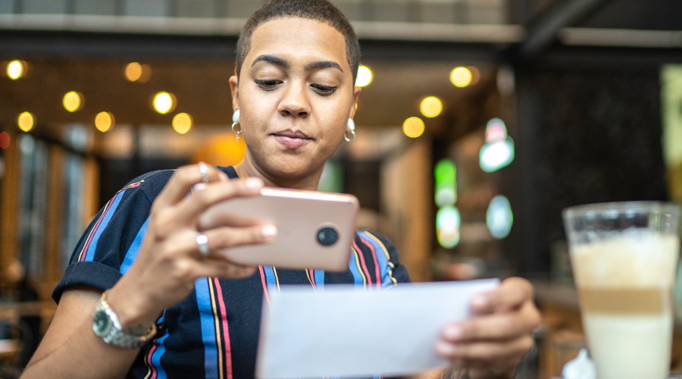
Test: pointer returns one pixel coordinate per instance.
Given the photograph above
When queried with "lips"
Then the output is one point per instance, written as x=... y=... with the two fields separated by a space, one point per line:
x=292 y=139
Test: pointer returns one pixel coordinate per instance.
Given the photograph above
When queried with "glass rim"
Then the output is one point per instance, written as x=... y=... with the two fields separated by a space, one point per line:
x=622 y=207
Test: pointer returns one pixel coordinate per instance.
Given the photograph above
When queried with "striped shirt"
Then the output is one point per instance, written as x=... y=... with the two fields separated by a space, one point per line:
x=213 y=333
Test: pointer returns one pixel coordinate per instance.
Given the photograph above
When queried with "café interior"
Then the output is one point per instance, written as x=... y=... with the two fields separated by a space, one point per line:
x=478 y=122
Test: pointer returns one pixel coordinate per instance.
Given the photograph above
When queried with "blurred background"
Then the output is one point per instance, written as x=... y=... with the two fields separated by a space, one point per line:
x=479 y=122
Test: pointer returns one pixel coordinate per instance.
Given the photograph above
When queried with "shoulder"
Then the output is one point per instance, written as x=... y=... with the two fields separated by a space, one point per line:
x=375 y=240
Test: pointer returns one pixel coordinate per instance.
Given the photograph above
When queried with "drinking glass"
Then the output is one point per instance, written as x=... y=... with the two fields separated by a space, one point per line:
x=624 y=260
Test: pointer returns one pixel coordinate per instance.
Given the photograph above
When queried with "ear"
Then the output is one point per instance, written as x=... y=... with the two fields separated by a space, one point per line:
x=354 y=105
x=234 y=87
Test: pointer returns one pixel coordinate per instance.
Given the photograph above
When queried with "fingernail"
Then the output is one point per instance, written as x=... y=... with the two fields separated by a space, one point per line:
x=254 y=183
x=479 y=301
x=445 y=349
x=268 y=231
x=453 y=332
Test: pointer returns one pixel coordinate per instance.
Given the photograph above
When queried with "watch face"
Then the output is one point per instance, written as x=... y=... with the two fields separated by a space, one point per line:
x=101 y=323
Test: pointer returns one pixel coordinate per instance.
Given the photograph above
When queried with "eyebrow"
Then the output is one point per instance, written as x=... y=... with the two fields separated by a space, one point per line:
x=283 y=63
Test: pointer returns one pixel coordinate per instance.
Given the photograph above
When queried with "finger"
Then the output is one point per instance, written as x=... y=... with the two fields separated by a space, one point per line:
x=182 y=181
x=189 y=269
x=189 y=209
x=185 y=242
x=511 y=294
x=499 y=354
x=498 y=326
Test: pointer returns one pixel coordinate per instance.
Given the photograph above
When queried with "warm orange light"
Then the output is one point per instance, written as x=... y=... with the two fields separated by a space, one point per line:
x=73 y=101
x=26 y=121
x=164 y=102
x=431 y=106
x=104 y=121
x=182 y=123
x=413 y=127
x=460 y=77
x=136 y=72
x=16 y=69
x=475 y=75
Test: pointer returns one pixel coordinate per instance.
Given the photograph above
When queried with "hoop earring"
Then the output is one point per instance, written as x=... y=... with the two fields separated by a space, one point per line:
x=235 y=121
x=350 y=129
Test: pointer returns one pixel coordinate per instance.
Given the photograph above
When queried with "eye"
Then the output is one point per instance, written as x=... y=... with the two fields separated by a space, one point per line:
x=324 y=90
x=268 y=84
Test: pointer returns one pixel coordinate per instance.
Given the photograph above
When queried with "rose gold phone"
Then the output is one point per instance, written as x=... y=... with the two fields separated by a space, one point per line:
x=314 y=229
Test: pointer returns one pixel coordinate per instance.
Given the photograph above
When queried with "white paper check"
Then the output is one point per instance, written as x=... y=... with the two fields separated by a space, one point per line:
x=346 y=332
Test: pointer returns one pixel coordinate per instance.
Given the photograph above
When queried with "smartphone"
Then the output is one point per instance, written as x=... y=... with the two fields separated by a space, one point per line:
x=314 y=229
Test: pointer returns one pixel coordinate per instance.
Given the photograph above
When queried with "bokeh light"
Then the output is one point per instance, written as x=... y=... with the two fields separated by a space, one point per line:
x=182 y=123
x=499 y=217
x=413 y=127
x=364 y=77
x=461 y=77
x=164 y=102
x=431 y=106
x=445 y=174
x=494 y=156
x=73 y=101
x=104 y=121
x=16 y=69
x=495 y=131
x=448 y=222
x=136 y=72
x=26 y=121
x=4 y=140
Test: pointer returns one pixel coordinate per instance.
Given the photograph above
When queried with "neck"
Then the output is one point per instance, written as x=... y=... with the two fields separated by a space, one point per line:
x=246 y=169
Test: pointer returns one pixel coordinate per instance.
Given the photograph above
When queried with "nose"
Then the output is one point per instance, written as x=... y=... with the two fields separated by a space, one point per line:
x=294 y=101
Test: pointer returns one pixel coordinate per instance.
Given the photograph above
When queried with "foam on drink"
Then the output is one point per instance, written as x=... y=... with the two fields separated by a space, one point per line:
x=625 y=287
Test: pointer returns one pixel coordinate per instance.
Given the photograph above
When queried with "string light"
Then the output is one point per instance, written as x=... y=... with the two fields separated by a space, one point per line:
x=136 y=72
x=413 y=127
x=26 y=121
x=182 y=123
x=16 y=69
x=104 y=121
x=364 y=77
x=431 y=106
x=73 y=101
x=164 y=102
x=461 y=77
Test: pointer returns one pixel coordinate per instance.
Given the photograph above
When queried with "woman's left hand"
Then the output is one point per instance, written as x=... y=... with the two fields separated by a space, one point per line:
x=493 y=343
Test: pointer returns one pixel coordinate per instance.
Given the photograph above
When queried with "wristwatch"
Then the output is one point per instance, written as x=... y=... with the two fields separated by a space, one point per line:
x=106 y=325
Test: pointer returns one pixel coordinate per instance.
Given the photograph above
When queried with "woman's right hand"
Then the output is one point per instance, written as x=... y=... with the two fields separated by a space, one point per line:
x=169 y=261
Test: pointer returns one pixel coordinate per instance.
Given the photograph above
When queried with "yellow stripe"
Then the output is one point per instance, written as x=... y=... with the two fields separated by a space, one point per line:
x=307 y=273
x=388 y=256
x=357 y=263
x=217 y=327
x=274 y=269
x=149 y=369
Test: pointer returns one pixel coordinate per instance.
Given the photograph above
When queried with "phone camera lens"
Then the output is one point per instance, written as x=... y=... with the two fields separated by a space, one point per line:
x=327 y=236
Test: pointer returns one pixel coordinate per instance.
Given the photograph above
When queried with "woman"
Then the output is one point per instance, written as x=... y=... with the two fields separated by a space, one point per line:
x=295 y=94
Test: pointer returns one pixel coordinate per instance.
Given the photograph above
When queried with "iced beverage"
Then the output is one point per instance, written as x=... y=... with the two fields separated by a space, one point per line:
x=624 y=259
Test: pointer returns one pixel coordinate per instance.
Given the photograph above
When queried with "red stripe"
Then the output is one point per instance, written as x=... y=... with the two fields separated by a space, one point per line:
x=376 y=263
x=226 y=330
x=149 y=360
x=364 y=266
x=265 y=285
x=312 y=279
x=94 y=230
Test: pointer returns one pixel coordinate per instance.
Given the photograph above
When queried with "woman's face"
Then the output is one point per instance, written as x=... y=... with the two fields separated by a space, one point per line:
x=295 y=95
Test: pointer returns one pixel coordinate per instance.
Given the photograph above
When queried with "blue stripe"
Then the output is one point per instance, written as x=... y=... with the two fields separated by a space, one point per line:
x=270 y=278
x=160 y=350
x=105 y=221
x=353 y=267
x=381 y=258
x=319 y=279
x=134 y=249
x=207 y=328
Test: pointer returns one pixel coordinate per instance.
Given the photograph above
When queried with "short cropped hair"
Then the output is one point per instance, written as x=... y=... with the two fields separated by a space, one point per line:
x=319 y=10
